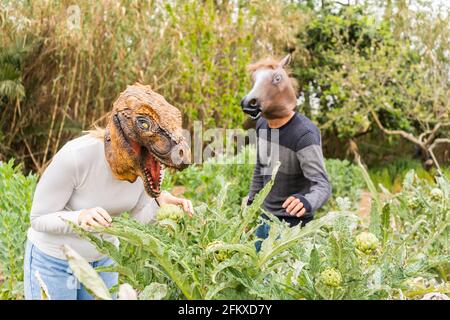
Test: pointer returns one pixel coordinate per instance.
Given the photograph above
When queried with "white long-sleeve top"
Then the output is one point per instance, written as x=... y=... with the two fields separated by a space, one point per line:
x=78 y=178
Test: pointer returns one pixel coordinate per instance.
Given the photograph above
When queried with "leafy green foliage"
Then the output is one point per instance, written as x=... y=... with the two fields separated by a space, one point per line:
x=16 y=193
x=346 y=181
x=11 y=60
x=86 y=274
x=213 y=58
x=363 y=74
x=199 y=182
x=184 y=255
x=358 y=68
x=212 y=255
x=329 y=36
x=154 y=291
x=229 y=178
x=398 y=269
x=391 y=174
x=194 y=54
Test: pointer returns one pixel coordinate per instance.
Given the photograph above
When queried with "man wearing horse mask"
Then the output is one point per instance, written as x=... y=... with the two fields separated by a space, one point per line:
x=301 y=185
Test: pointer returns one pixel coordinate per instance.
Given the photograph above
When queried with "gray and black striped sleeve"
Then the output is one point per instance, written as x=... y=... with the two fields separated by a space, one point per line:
x=257 y=182
x=310 y=157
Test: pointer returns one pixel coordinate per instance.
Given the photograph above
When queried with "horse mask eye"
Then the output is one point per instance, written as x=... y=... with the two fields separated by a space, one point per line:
x=277 y=78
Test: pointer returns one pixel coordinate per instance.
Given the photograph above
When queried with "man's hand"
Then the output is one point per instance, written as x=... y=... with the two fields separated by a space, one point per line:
x=167 y=198
x=94 y=217
x=294 y=206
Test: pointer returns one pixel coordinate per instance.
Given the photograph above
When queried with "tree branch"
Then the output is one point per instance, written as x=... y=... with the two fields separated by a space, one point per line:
x=438 y=141
x=402 y=133
x=433 y=134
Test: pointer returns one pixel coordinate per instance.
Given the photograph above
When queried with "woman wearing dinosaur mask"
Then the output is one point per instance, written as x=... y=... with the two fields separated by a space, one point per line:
x=97 y=176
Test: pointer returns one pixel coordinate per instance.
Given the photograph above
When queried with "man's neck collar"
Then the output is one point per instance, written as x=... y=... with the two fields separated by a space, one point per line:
x=279 y=122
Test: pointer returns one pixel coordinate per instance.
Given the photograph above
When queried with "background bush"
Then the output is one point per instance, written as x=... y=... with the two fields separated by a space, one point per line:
x=374 y=78
x=62 y=64
x=60 y=75
x=16 y=194
x=370 y=79
x=212 y=255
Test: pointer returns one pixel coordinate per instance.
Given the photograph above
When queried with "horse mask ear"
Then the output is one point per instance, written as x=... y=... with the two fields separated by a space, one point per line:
x=285 y=61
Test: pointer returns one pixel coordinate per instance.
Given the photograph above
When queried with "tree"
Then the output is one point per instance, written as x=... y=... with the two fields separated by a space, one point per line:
x=367 y=76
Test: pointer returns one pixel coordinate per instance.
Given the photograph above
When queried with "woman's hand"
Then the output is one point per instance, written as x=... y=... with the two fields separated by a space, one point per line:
x=94 y=217
x=167 y=198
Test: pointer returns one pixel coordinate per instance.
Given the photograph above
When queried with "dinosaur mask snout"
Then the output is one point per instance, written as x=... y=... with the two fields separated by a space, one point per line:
x=145 y=133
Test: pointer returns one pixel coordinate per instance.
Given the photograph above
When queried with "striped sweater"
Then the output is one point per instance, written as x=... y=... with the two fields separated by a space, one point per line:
x=297 y=145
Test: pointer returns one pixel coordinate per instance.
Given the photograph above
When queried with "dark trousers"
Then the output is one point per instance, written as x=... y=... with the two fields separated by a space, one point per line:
x=262 y=232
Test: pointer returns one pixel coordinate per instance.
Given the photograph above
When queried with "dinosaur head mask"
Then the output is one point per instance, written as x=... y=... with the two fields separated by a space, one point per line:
x=143 y=136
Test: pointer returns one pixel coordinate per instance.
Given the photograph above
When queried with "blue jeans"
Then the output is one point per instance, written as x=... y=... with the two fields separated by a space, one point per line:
x=58 y=277
x=262 y=232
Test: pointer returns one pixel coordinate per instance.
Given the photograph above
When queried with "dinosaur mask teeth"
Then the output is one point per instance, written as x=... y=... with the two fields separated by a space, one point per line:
x=152 y=172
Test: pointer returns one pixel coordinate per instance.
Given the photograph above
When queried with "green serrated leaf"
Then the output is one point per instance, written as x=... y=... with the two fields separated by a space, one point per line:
x=314 y=261
x=154 y=291
x=385 y=222
x=86 y=274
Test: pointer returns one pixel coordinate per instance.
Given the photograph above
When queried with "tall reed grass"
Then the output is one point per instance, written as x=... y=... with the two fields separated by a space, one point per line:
x=73 y=61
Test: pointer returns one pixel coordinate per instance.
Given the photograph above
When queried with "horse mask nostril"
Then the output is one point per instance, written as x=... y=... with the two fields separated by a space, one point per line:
x=253 y=103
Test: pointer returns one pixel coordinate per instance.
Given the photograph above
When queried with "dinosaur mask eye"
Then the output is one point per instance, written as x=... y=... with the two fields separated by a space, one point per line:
x=143 y=123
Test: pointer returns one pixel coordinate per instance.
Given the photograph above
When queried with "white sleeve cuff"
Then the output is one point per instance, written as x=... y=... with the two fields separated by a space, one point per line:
x=72 y=216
